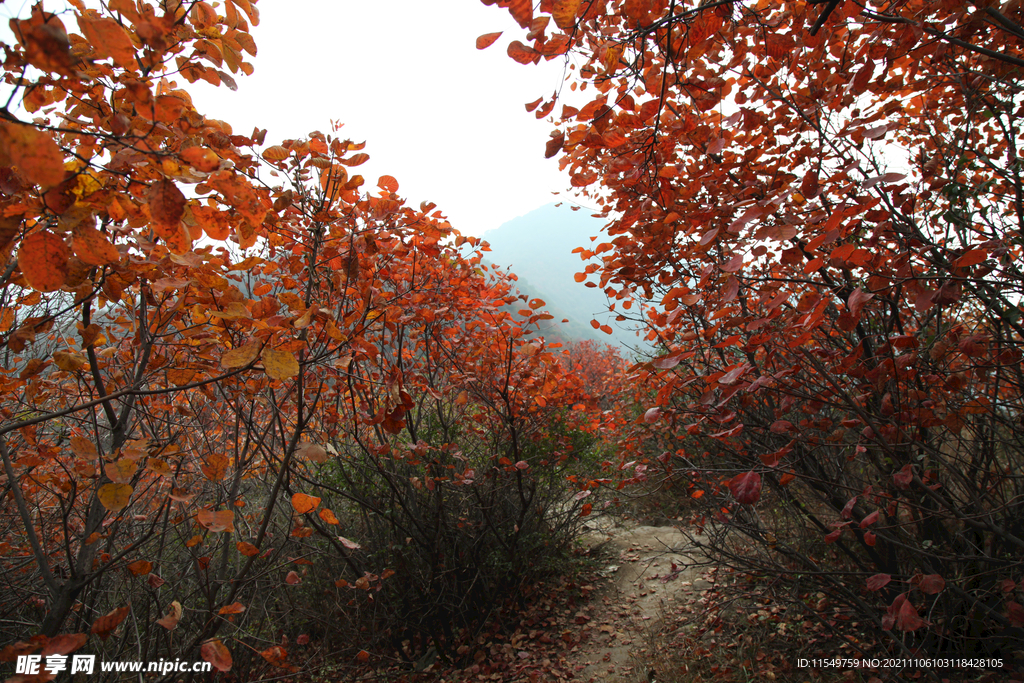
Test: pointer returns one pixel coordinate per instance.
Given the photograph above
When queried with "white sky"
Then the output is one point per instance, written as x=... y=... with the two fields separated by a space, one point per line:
x=447 y=120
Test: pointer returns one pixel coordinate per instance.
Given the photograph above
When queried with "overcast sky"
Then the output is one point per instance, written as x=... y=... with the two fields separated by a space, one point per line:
x=447 y=120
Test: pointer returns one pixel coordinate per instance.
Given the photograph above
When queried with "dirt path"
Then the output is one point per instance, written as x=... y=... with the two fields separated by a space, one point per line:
x=653 y=573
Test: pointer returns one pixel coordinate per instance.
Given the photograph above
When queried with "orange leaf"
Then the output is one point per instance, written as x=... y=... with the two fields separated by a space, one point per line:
x=43 y=259
x=487 y=39
x=304 y=503
x=140 y=567
x=215 y=466
x=521 y=11
x=115 y=497
x=108 y=39
x=524 y=54
x=173 y=616
x=233 y=608
x=200 y=158
x=92 y=247
x=122 y=471
x=216 y=522
x=386 y=182
x=327 y=516
x=357 y=160
x=311 y=451
x=276 y=153
x=34 y=152
x=214 y=652
x=106 y=624
x=247 y=549
x=564 y=13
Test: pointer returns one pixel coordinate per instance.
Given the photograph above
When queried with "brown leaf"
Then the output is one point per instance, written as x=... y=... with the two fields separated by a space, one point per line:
x=106 y=624
x=166 y=203
x=173 y=616
x=214 y=652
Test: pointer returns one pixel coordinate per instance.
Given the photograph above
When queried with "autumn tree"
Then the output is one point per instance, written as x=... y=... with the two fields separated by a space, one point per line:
x=823 y=204
x=235 y=378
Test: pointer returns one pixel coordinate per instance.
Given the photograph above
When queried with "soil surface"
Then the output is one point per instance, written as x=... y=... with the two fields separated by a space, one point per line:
x=655 y=572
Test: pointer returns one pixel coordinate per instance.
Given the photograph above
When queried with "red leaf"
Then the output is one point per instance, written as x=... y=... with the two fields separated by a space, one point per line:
x=878 y=581
x=292 y=578
x=652 y=415
x=907 y=619
x=746 y=487
x=931 y=584
x=487 y=39
x=904 y=477
x=857 y=300
x=1015 y=612
x=971 y=258
x=869 y=520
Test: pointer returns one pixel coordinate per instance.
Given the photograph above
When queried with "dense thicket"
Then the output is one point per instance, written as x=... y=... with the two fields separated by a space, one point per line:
x=822 y=202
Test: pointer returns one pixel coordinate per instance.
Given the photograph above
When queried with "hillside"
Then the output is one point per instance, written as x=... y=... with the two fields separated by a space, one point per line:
x=538 y=248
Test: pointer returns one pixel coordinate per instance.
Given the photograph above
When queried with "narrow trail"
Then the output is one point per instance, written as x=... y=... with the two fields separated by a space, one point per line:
x=655 y=571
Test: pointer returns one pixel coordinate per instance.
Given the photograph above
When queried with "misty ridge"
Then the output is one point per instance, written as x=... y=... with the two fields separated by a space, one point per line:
x=538 y=249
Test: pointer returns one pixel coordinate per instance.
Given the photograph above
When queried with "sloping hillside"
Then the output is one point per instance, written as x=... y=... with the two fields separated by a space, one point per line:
x=538 y=248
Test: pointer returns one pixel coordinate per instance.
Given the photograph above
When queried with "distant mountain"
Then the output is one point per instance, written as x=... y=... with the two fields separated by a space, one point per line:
x=538 y=248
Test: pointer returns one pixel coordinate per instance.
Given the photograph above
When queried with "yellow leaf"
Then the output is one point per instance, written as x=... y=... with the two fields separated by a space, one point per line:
x=122 y=471
x=159 y=467
x=115 y=496
x=280 y=364
x=241 y=356
x=68 y=361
